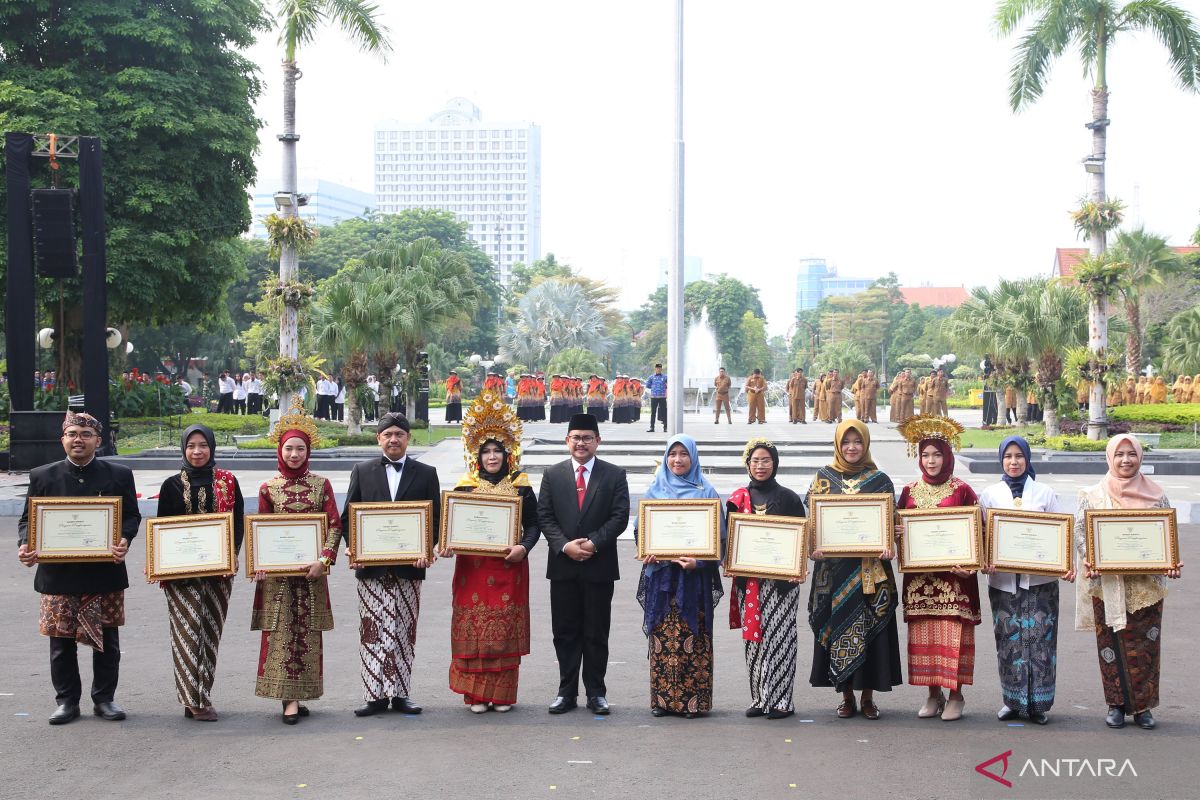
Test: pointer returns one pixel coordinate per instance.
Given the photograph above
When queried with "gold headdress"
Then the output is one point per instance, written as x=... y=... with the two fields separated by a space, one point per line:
x=489 y=417
x=930 y=426
x=296 y=420
x=755 y=443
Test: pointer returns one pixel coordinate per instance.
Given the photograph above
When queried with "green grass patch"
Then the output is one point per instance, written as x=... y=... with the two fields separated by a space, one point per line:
x=977 y=439
x=1078 y=444
x=1166 y=413
x=1177 y=441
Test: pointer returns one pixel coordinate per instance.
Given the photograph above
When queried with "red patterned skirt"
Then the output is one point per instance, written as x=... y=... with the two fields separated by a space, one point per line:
x=941 y=652
x=489 y=628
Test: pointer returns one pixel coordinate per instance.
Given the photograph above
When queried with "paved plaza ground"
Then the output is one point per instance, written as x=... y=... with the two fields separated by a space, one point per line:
x=447 y=752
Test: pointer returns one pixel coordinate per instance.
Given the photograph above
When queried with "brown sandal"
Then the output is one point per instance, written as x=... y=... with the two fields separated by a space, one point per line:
x=847 y=709
x=870 y=710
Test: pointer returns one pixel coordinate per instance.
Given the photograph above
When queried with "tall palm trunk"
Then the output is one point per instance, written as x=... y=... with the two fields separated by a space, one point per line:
x=1022 y=407
x=1133 y=345
x=289 y=346
x=1098 y=308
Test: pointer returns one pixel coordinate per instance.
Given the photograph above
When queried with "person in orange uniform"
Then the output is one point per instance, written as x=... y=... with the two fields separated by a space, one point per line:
x=756 y=397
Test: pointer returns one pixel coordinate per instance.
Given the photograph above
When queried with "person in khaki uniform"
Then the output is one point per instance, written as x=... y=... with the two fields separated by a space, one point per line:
x=756 y=395
x=870 y=395
x=908 y=389
x=819 y=398
x=1141 y=391
x=1129 y=392
x=896 y=398
x=721 y=399
x=942 y=394
x=796 y=386
x=856 y=393
x=833 y=397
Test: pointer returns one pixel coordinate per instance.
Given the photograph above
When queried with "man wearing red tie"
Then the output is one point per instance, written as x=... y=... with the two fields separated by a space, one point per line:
x=583 y=506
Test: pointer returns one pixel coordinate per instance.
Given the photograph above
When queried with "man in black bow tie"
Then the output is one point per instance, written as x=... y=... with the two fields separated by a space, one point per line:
x=82 y=602
x=389 y=598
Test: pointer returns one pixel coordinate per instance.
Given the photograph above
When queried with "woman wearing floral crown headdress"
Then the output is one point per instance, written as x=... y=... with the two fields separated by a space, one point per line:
x=489 y=623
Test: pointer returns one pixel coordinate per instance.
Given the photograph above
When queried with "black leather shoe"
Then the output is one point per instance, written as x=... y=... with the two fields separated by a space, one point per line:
x=67 y=712
x=1144 y=720
x=371 y=708
x=779 y=713
x=659 y=712
x=755 y=711
x=598 y=705
x=405 y=705
x=562 y=705
x=1039 y=718
x=1005 y=714
x=109 y=711
x=1115 y=718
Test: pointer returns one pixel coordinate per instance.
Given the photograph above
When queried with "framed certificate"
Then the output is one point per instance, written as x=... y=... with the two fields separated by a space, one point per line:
x=936 y=539
x=670 y=529
x=1034 y=542
x=283 y=544
x=480 y=524
x=851 y=524
x=74 y=529
x=190 y=547
x=1132 y=541
x=767 y=546
x=391 y=533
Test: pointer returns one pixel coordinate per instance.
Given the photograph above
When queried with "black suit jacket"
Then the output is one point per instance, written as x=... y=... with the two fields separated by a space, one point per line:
x=369 y=484
x=605 y=514
x=98 y=479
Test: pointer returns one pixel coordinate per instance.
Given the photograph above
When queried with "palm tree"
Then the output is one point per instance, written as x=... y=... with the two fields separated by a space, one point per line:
x=1093 y=25
x=553 y=316
x=984 y=324
x=1147 y=260
x=299 y=22
x=1181 y=353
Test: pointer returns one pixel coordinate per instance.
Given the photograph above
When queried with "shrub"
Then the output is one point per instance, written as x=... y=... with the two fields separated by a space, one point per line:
x=1170 y=414
x=1080 y=444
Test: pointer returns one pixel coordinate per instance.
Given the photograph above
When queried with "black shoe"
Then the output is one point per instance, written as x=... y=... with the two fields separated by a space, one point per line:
x=562 y=705
x=291 y=719
x=755 y=711
x=1039 y=718
x=690 y=715
x=598 y=705
x=371 y=708
x=779 y=713
x=659 y=712
x=1005 y=714
x=67 y=712
x=1144 y=720
x=405 y=705
x=1116 y=717
x=650 y=430
x=109 y=711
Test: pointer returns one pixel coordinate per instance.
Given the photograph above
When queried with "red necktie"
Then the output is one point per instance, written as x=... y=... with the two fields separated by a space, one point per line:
x=580 y=487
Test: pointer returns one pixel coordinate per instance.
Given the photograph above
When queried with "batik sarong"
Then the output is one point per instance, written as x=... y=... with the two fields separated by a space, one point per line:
x=1130 y=658
x=1026 y=626
x=196 y=609
x=681 y=665
x=387 y=610
x=82 y=617
x=771 y=661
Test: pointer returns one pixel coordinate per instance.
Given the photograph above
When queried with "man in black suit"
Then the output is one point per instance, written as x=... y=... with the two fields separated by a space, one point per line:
x=583 y=506
x=389 y=598
x=82 y=602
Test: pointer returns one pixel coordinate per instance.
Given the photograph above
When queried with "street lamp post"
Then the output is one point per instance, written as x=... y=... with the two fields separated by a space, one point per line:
x=675 y=356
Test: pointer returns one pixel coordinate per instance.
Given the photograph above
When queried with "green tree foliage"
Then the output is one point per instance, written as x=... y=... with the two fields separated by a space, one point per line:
x=756 y=354
x=577 y=361
x=1148 y=261
x=1181 y=352
x=846 y=356
x=524 y=277
x=554 y=315
x=164 y=86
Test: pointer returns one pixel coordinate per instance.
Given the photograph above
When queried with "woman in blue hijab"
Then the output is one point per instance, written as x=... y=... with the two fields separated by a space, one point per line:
x=678 y=598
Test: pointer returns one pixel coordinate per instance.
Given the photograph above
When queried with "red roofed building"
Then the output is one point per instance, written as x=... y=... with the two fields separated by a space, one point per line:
x=931 y=296
x=1067 y=258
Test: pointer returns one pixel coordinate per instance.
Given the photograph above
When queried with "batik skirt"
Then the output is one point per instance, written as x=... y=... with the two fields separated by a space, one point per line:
x=771 y=661
x=681 y=665
x=1130 y=658
x=196 y=609
x=1026 y=626
x=82 y=616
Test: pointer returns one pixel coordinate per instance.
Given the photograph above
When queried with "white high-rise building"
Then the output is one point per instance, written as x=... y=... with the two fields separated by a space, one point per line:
x=489 y=176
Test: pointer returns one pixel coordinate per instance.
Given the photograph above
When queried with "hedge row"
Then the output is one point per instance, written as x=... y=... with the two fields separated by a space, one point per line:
x=1165 y=413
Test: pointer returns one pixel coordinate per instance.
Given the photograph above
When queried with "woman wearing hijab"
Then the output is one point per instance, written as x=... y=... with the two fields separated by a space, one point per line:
x=1125 y=611
x=1158 y=392
x=197 y=607
x=765 y=609
x=292 y=612
x=678 y=598
x=1024 y=607
x=489 y=622
x=852 y=603
x=941 y=608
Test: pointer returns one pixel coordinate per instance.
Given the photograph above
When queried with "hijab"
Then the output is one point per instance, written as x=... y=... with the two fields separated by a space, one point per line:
x=1136 y=492
x=1017 y=485
x=669 y=486
x=284 y=469
x=493 y=477
x=203 y=475
x=770 y=482
x=865 y=463
x=947 y=469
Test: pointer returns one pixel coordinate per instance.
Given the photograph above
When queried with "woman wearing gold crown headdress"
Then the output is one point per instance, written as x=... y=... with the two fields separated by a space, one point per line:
x=941 y=608
x=489 y=623
x=292 y=612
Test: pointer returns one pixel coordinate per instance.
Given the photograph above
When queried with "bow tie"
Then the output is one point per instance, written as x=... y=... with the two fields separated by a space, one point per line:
x=387 y=462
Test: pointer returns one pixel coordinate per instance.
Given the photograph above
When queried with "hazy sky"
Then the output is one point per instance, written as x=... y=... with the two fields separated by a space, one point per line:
x=876 y=135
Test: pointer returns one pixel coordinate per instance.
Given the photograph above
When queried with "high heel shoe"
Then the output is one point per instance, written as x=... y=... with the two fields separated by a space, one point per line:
x=934 y=705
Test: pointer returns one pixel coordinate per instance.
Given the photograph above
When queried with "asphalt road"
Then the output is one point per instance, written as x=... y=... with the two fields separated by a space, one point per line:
x=448 y=752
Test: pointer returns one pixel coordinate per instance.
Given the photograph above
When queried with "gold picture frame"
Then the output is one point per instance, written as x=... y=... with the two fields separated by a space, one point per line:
x=1033 y=556
x=306 y=532
x=74 y=530
x=1147 y=551
x=476 y=524
x=217 y=532
x=692 y=528
x=838 y=510
x=359 y=514
x=755 y=555
x=938 y=539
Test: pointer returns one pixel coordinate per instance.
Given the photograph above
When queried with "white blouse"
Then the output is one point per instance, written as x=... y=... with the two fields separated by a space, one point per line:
x=1035 y=497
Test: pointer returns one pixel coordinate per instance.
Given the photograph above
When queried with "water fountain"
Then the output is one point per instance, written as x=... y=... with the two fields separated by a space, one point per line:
x=701 y=359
